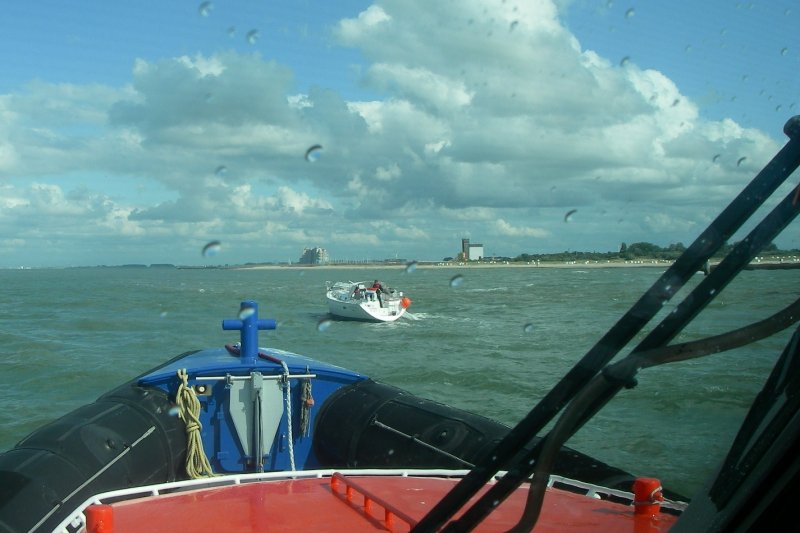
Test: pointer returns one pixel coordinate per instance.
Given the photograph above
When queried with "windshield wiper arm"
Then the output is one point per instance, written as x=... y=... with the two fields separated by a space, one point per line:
x=622 y=374
x=691 y=260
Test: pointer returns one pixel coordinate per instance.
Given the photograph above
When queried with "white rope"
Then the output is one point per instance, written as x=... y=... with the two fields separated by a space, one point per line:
x=197 y=465
x=288 y=400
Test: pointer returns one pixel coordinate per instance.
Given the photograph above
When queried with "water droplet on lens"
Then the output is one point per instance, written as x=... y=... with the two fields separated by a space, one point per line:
x=456 y=280
x=221 y=170
x=411 y=267
x=212 y=248
x=513 y=25
x=252 y=36
x=232 y=31
x=784 y=51
x=624 y=61
x=246 y=311
x=313 y=153
x=173 y=411
x=740 y=161
x=205 y=8
x=528 y=328
x=568 y=216
x=715 y=158
x=630 y=13
x=324 y=324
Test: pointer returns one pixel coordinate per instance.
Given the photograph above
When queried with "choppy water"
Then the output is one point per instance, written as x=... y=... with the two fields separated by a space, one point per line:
x=494 y=344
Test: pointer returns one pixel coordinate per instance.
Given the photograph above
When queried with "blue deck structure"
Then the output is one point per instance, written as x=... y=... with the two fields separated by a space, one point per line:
x=256 y=405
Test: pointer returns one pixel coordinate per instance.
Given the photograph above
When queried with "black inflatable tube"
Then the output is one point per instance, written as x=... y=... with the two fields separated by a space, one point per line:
x=49 y=465
x=346 y=436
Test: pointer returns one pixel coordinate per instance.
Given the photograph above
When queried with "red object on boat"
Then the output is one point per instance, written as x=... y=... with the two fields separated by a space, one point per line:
x=647 y=496
x=99 y=519
x=405 y=302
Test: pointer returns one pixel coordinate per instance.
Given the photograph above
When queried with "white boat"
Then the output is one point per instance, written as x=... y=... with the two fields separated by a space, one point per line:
x=359 y=300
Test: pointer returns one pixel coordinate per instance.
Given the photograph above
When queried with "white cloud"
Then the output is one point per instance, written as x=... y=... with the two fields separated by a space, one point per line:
x=421 y=85
x=413 y=233
x=369 y=21
x=389 y=173
x=504 y=228
x=294 y=201
x=478 y=125
x=204 y=66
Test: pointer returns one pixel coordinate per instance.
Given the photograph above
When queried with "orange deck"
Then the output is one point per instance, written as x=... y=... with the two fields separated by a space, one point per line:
x=312 y=505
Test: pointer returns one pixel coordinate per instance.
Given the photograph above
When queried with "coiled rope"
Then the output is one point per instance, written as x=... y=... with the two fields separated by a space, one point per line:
x=306 y=403
x=197 y=465
x=288 y=400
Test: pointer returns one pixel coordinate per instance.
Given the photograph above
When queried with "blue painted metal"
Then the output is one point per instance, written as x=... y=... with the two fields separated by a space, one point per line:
x=219 y=437
x=218 y=361
x=248 y=324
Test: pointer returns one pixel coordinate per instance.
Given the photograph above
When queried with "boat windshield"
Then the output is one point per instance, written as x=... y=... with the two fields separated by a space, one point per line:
x=561 y=186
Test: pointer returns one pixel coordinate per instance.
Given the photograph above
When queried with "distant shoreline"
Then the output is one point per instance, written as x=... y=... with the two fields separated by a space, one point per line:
x=648 y=263
x=792 y=262
x=372 y=266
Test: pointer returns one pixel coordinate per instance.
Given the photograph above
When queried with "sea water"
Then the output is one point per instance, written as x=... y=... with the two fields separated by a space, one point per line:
x=493 y=344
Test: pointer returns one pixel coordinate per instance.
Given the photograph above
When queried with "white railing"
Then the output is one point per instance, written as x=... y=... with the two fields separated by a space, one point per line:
x=76 y=521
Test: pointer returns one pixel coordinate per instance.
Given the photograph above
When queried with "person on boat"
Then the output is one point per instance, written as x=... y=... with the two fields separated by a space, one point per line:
x=378 y=291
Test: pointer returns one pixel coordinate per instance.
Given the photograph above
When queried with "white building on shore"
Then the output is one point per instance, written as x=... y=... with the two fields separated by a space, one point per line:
x=314 y=256
x=470 y=251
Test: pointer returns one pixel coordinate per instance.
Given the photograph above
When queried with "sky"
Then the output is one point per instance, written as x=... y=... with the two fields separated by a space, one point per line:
x=140 y=132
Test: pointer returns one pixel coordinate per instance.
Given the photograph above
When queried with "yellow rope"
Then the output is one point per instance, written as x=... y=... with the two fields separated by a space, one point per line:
x=197 y=464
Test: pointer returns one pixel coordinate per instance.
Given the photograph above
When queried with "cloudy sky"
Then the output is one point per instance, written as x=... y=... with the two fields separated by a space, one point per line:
x=138 y=133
